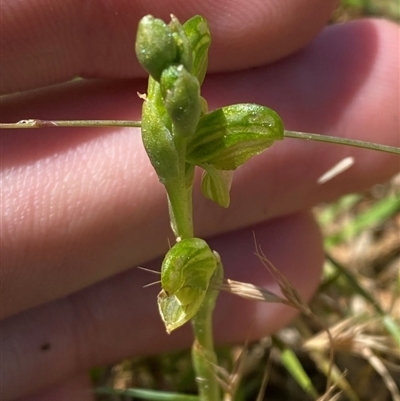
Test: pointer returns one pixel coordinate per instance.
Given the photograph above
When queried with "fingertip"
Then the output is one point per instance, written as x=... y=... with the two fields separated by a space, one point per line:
x=63 y=40
x=261 y=32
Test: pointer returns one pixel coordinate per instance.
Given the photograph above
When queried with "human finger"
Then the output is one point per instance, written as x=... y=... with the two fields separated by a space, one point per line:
x=48 y=42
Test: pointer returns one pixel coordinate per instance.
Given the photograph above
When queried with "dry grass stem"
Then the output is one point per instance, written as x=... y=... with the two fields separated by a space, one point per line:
x=233 y=380
x=264 y=383
x=294 y=299
x=248 y=291
x=349 y=337
x=337 y=169
x=382 y=371
x=329 y=396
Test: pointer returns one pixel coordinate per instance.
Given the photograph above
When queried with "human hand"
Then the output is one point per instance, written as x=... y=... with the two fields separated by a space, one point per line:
x=81 y=207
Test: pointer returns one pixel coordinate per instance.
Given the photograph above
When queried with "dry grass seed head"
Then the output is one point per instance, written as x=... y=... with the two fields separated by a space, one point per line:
x=349 y=337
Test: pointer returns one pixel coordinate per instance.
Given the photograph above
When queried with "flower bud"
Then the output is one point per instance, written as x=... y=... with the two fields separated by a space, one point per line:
x=159 y=143
x=155 y=46
x=185 y=275
x=181 y=93
x=184 y=49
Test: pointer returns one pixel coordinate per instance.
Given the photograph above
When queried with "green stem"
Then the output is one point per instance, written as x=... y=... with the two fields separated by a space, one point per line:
x=180 y=209
x=145 y=394
x=342 y=141
x=180 y=195
x=204 y=357
x=35 y=123
x=180 y=204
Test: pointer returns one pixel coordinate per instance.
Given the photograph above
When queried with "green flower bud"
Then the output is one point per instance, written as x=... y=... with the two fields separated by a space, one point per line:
x=185 y=275
x=159 y=143
x=181 y=93
x=184 y=50
x=155 y=46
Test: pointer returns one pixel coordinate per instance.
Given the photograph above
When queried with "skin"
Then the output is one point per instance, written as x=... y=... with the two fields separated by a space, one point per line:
x=81 y=208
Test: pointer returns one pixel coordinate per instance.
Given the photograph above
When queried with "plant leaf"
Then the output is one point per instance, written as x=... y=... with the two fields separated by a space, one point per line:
x=227 y=137
x=216 y=185
x=198 y=34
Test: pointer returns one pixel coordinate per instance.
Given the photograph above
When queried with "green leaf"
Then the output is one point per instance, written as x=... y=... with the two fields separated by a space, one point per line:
x=295 y=368
x=146 y=394
x=227 y=137
x=216 y=184
x=185 y=275
x=198 y=33
x=155 y=45
x=378 y=213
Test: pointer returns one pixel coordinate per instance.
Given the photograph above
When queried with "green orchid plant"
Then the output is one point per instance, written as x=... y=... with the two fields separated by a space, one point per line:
x=180 y=134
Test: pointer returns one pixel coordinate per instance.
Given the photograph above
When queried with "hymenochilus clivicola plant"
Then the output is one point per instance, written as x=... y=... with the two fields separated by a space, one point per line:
x=179 y=133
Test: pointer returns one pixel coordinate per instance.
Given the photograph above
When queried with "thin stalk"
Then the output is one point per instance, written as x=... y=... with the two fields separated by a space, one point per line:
x=180 y=196
x=342 y=141
x=180 y=209
x=203 y=354
x=145 y=394
x=34 y=123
